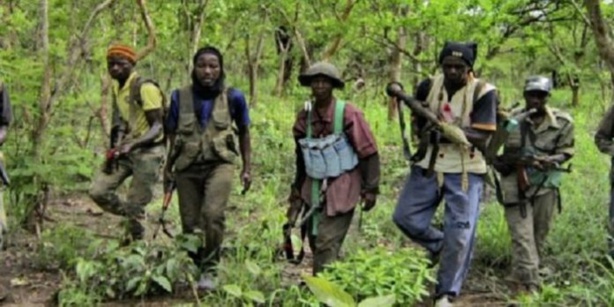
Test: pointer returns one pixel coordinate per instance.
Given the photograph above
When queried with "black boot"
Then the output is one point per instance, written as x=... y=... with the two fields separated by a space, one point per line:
x=134 y=232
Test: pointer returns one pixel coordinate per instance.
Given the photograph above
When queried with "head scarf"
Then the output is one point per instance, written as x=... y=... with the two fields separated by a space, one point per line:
x=123 y=51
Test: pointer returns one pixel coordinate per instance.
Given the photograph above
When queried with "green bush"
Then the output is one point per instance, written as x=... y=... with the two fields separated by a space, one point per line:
x=403 y=273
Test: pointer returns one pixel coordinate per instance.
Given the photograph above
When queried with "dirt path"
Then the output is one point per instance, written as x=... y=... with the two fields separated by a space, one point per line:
x=28 y=285
x=25 y=282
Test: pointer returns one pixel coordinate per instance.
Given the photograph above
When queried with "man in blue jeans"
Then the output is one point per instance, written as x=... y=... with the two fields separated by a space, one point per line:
x=445 y=170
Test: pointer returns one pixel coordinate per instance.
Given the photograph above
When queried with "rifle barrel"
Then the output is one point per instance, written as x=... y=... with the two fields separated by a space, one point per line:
x=395 y=90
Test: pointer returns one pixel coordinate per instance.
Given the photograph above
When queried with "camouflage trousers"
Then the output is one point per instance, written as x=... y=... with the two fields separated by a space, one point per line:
x=326 y=246
x=203 y=191
x=528 y=236
x=144 y=166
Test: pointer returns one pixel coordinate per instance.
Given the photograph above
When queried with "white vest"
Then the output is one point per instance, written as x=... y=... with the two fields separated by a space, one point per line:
x=450 y=158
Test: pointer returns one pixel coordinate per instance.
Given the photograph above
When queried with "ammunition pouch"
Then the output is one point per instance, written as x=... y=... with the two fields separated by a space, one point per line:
x=328 y=157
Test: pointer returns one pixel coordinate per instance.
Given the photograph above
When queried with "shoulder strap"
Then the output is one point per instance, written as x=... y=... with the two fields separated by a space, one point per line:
x=185 y=100
x=308 y=123
x=231 y=107
x=338 y=121
x=135 y=90
x=478 y=89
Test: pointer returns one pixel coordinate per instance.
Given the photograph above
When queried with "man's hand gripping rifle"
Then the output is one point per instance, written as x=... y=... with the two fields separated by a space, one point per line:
x=449 y=131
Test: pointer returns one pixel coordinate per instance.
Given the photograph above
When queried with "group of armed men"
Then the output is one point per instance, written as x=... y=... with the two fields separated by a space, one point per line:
x=197 y=140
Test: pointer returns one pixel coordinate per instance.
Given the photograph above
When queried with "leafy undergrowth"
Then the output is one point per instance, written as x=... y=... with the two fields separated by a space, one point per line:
x=97 y=270
x=377 y=260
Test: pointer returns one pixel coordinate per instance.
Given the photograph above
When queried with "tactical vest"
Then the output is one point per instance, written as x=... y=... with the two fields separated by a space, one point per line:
x=216 y=142
x=450 y=159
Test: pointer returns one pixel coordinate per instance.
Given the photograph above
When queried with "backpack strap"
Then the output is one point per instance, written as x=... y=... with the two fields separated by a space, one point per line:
x=116 y=120
x=338 y=121
x=135 y=89
x=316 y=185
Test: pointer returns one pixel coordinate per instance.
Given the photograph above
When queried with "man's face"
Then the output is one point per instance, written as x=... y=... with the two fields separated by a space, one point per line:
x=207 y=69
x=455 y=70
x=536 y=99
x=321 y=87
x=119 y=67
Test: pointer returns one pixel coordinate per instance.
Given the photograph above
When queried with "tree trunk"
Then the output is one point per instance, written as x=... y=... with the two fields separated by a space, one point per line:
x=420 y=45
x=396 y=66
x=196 y=30
x=279 y=85
x=103 y=111
x=45 y=91
x=601 y=32
x=35 y=214
x=336 y=44
x=253 y=64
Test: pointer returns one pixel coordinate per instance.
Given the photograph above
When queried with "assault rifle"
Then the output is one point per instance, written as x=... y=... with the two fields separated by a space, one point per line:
x=525 y=161
x=112 y=154
x=168 y=194
x=518 y=163
x=297 y=206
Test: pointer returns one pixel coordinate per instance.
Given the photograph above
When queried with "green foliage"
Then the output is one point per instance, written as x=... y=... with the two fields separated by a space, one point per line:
x=403 y=273
x=62 y=246
x=512 y=45
x=139 y=270
x=245 y=293
x=332 y=295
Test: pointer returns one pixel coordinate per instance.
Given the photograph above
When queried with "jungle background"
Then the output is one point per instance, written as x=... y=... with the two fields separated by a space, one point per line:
x=63 y=250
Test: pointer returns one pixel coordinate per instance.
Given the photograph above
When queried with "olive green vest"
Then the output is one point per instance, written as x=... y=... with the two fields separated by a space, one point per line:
x=216 y=142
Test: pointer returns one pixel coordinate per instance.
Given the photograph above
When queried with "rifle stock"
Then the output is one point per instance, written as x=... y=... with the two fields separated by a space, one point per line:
x=296 y=206
x=523 y=179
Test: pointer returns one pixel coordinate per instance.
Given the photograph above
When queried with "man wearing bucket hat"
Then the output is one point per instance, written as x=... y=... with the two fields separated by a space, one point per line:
x=337 y=164
x=448 y=170
x=530 y=178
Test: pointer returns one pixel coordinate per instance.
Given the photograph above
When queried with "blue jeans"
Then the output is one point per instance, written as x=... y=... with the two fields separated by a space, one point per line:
x=416 y=206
